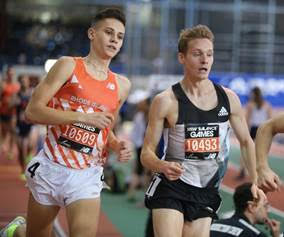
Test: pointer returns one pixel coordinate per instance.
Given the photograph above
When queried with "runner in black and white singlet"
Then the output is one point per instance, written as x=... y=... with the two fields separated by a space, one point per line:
x=194 y=116
x=200 y=140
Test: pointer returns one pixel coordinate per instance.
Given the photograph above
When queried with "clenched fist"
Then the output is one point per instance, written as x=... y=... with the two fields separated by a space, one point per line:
x=125 y=151
x=172 y=170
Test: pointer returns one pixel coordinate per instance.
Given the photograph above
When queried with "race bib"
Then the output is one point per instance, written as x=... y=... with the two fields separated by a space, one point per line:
x=79 y=137
x=202 y=141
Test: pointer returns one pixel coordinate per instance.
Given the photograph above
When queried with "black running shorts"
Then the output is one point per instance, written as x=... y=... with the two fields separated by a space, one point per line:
x=193 y=202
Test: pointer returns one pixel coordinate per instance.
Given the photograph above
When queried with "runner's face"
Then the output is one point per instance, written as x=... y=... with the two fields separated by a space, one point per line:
x=107 y=37
x=198 y=59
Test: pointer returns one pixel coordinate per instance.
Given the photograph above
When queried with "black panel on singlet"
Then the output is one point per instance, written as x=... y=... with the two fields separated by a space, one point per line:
x=189 y=113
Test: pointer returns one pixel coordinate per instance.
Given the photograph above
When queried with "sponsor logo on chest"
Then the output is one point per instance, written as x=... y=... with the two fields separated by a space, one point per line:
x=223 y=112
x=111 y=86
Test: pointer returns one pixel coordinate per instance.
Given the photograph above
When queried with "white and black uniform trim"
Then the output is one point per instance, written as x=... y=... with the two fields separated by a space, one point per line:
x=200 y=139
x=238 y=225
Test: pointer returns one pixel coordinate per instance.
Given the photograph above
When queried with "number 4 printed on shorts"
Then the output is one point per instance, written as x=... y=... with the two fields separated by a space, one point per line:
x=33 y=168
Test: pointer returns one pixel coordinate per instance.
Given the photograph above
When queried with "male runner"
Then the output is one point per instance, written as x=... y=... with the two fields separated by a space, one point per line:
x=195 y=116
x=78 y=101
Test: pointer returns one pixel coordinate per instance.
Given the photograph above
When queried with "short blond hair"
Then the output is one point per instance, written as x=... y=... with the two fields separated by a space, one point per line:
x=196 y=32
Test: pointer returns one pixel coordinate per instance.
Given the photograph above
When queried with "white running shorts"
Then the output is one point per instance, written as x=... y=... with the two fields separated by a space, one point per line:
x=54 y=184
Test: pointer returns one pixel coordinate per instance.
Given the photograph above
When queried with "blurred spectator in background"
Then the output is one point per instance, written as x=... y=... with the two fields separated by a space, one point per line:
x=248 y=213
x=24 y=140
x=9 y=90
x=139 y=177
x=257 y=111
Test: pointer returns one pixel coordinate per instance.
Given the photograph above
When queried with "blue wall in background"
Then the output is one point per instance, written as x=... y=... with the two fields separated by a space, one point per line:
x=272 y=86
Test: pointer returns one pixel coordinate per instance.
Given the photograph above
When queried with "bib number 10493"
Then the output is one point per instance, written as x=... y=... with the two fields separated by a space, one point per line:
x=202 y=141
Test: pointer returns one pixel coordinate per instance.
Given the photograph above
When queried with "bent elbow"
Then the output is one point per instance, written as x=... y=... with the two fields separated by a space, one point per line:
x=247 y=142
x=29 y=117
x=266 y=128
x=142 y=158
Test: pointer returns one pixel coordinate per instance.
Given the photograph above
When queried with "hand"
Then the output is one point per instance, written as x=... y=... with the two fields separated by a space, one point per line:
x=274 y=226
x=268 y=181
x=258 y=194
x=99 y=119
x=172 y=170
x=125 y=151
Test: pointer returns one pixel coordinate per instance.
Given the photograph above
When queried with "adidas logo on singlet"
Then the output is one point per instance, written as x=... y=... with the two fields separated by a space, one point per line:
x=223 y=112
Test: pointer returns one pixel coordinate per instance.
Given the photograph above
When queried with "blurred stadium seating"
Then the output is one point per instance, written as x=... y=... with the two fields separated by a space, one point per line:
x=249 y=33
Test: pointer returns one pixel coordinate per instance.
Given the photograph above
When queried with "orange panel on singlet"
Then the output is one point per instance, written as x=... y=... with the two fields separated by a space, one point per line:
x=80 y=145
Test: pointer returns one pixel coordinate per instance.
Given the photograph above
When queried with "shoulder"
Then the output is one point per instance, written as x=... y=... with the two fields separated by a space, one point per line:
x=228 y=227
x=64 y=64
x=249 y=228
x=230 y=93
x=163 y=102
x=267 y=105
x=66 y=61
x=237 y=225
x=124 y=85
x=234 y=99
x=123 y=81
x=165 y=97
x=61 y=70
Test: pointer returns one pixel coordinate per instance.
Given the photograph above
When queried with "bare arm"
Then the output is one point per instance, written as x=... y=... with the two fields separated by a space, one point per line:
x=267 y=178
x=239 y=125
x=159 y=110
x=121 y=147
x=264 y=137
x=37 y=110
x=124 y=88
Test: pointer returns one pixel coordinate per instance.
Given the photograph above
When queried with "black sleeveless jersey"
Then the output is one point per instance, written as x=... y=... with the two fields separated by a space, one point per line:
x=200 y=139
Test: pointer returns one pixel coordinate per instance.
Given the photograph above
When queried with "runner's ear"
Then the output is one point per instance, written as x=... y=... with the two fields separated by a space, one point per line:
x=91 y=33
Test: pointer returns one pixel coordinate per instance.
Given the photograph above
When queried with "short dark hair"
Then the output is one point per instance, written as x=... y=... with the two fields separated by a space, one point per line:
x=241 y=197
x=196 y=32
x=109 y=13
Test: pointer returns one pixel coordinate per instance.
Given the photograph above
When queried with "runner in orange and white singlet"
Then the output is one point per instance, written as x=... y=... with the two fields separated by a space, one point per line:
x=79 y=145
x=78 y=101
